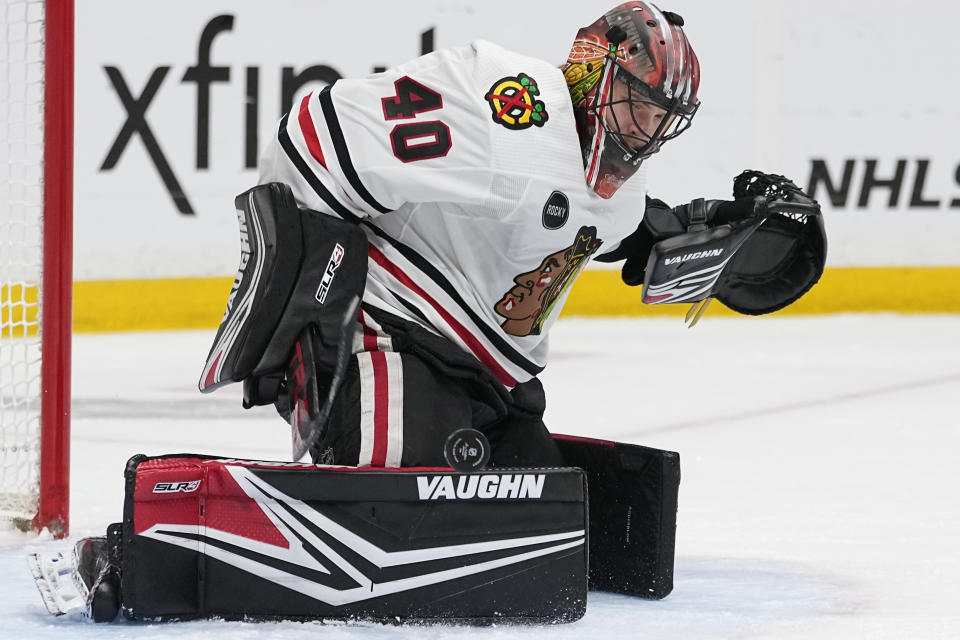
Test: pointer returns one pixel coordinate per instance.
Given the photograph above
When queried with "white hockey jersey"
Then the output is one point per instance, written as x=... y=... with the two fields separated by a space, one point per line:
x=464 y=168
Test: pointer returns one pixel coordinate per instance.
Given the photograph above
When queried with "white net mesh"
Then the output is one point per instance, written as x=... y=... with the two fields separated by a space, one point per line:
x=21 y=220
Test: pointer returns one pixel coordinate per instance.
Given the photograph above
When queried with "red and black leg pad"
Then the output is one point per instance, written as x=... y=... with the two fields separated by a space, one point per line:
x=212 y=537
x=633 y=513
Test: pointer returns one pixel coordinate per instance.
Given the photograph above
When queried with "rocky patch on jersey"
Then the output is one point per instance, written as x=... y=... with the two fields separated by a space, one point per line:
x=529 y=303
x=556 y=211
x=513 y=103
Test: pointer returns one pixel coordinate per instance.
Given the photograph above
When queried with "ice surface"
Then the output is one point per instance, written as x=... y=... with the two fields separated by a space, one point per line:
x=819 y=460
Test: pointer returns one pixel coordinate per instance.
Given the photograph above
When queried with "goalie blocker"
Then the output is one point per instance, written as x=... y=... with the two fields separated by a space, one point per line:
x=300 y=281
x=300 y=270
x=212 y=537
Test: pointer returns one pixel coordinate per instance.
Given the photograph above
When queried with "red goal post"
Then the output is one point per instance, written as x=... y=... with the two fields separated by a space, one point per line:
x=36 y=281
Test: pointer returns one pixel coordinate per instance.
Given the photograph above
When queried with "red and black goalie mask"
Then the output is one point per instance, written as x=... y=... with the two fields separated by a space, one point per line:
x=633 y=78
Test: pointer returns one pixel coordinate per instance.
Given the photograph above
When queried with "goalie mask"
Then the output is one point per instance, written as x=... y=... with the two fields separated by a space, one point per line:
x=633 y=78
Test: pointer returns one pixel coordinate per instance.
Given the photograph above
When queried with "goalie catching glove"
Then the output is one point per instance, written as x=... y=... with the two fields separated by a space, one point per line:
x=756 y=254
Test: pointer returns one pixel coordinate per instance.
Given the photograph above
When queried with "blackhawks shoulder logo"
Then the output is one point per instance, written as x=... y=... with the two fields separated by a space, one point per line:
x=514 y=104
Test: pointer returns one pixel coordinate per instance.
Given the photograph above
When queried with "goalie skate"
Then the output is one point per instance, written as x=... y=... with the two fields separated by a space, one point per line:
x=53 y=574
x=87 y=581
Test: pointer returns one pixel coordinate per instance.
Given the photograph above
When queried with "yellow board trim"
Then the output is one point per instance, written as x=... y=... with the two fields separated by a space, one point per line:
x=148 y=305
x=198 y=303
x=840 y=290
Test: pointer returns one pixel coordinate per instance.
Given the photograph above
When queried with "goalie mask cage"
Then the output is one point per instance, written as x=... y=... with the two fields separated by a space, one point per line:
x=36 y=253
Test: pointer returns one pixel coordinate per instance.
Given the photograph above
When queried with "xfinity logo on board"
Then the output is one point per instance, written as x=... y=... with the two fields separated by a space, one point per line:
x=485 y=487
x=204 y=74
x=176 y=487
x=335 y=259
x=712 y=253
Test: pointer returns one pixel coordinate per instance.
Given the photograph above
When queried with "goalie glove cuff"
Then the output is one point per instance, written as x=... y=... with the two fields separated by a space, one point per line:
x=661 y=222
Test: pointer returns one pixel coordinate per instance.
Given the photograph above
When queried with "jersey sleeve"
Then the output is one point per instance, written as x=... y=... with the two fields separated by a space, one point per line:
x=365 y=147
x=637 y=245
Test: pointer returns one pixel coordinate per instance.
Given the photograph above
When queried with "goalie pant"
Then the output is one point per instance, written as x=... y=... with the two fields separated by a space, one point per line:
x=406 y=390
x=213 y=537
x=632 y=490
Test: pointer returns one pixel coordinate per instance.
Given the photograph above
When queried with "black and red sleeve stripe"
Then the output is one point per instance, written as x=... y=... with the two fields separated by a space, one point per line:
x=426 y=268
x=343 y=152
x=293 y=154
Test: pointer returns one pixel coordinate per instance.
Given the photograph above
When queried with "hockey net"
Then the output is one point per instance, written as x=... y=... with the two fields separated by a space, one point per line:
x=36 y=152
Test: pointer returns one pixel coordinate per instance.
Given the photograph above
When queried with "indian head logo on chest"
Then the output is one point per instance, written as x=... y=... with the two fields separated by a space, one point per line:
x=535 y=293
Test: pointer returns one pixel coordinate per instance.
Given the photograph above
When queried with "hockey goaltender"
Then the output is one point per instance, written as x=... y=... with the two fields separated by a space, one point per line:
x=411 y=242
